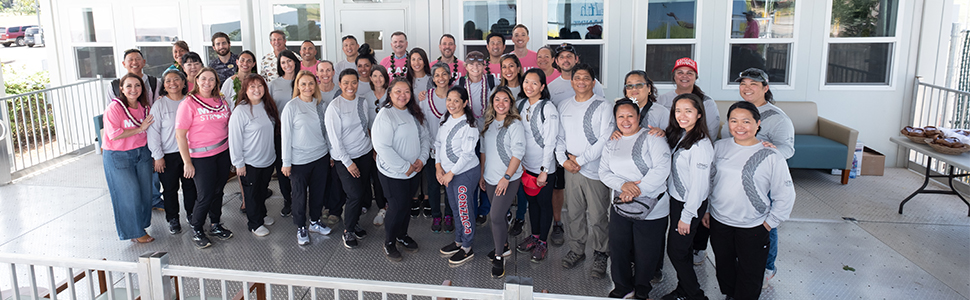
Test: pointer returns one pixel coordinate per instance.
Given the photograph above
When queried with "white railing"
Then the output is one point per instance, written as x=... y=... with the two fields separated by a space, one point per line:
x=939 y=106
x=152 y=277
x=43 y=125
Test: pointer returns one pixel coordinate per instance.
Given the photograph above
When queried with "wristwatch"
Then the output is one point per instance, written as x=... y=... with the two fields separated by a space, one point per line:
x=543 y=169
x=507 y=177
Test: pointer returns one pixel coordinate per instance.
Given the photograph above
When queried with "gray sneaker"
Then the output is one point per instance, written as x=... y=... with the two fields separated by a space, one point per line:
x=699 y=256
x=302 y=236
x=572 y=259
x=318 y=227
x=599 y=264
x=556 y=236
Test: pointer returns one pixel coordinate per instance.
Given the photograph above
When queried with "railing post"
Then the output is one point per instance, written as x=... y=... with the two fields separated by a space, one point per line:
x=5 y=137
x=153 y=285
x=519 y=288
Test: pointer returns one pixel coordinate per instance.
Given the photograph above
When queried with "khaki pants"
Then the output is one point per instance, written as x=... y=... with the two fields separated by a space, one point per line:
x=588 y=204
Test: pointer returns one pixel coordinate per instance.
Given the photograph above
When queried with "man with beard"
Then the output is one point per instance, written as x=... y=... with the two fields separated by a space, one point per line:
x=446 y=44
x=225 y=63
x=561 y=89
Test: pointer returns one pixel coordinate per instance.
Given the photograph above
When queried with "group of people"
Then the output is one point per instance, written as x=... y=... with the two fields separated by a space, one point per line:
x=527 y=127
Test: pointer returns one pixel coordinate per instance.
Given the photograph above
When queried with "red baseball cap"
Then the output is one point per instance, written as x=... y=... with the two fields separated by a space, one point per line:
x=529 y=184
x=685 y=62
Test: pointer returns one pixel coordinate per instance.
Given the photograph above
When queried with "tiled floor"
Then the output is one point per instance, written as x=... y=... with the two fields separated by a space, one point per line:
x=924 y=253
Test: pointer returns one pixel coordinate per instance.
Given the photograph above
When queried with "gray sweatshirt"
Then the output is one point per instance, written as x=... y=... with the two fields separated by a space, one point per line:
x=399 y=140
x=776 y=128
x=347 y=129
x=710 y=107
x=499 y=145
x=456 y=143
x=639 y=157
x=658 y=116
x=589 y=124
x=251 y=134
x=743 y=178
x=690 y=177
x=161 y=134
x=282 y=91
x=434 y=111
x=541 y=131
x=304 y=140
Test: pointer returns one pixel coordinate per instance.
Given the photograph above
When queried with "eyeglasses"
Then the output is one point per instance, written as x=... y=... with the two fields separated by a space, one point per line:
x=635 y=86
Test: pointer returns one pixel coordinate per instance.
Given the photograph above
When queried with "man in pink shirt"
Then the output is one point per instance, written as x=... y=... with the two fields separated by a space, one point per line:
x=520 y=39
x=495 y=47
x=446 y=44
x=396 y=63
x=308 y=53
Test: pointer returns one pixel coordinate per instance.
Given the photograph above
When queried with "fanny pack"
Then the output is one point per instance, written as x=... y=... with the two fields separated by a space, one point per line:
x=638 y=209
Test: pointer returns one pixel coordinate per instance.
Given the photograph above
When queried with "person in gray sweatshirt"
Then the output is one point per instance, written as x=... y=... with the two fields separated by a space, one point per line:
x=305 y=155
x=741 y=212
x=402 y=144
x=253 y=126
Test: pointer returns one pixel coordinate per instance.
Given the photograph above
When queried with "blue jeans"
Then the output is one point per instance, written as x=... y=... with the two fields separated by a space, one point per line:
x=129 y=177
x=522 y=205
x=156 y=192
x=772 y=249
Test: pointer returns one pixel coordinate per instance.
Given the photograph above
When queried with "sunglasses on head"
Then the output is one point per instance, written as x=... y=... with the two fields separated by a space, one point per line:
x=752 y=73
x=565 y=47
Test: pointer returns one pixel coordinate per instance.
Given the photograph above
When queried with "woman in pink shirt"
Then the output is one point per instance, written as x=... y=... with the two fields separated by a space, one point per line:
x=202 y=131
x=127 y=161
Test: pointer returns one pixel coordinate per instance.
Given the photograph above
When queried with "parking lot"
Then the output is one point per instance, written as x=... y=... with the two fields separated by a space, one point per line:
x=25 y=58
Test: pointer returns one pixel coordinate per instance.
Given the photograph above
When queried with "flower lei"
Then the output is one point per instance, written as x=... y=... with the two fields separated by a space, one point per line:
x=222 y=104
x=236 y=86
x=434 y=110
x=128 y=113
x=454 y=68
x=404 y=70
x=468 y=87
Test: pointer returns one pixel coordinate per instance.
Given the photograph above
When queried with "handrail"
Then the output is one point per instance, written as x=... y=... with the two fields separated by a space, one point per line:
x=107 y=265
x=952 y=90
x=50 y=89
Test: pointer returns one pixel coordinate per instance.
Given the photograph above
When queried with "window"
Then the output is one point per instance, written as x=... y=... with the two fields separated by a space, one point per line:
x=157 y=59
x=578 y=22
x=861 y=42
x=671 y=35
x=92 y=40
x=211 y=54
x=300 y=22
x=762 y=36
x=154 y=36
x=484 y=17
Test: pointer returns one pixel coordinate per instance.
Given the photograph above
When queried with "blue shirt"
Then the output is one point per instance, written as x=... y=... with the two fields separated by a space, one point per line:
x=225 y=70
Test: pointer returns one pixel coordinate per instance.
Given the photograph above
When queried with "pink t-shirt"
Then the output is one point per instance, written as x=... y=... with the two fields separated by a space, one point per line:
x=398 y=65
x=461 y=68
x=529 y=61
x=555 y=74
x=115 y=123
x=206 y=127
x=494 y=69
x=312 y=69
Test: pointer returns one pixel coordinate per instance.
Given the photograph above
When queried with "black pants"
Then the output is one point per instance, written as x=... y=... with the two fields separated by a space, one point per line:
x=211 y=174
x=637 y=242
x=355 y=187
x=254 y=186
x=284 y=184
x=434 y=190
x=740 y=254
x=374 y=189
x=170 y=179
x=679 y=249
x=312 y=177
x=703 y=234
x=335 y=192
x=398 y=193
x=540 y=208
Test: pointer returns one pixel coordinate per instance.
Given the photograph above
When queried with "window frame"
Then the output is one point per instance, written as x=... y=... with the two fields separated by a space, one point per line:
x=268 y=16
x=642 y=42
x=73 y=46
x=727 y=82
x=894 y=58
x=133 y=28
x=461 y=45
x=602 y=42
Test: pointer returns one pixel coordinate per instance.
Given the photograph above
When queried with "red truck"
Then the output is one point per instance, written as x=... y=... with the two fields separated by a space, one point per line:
x=14 y=34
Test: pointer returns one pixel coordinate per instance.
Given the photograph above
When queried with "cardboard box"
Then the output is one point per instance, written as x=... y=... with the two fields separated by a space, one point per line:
x=873 y=162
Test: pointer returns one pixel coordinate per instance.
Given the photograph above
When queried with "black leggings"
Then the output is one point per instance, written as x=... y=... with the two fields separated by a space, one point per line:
x=211 y=174
x=355 y=187
x=254 y=186
x=398 y=218
x=170 y=179
x=540 y=208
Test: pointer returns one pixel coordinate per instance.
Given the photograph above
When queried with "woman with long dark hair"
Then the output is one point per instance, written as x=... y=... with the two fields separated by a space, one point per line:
x=202 y=130
x=434 y=109
x=741 y=210
x=281 y=89
x=458 y=169
x=511 y=75
x=253 y=127
x=688 y=187
x=402 y=143
x=127 y=160
x=192 y=65
x=420 y=77
x=165 y=149
x=635 y=168
x=503 y=145
x=350 y=147
x=379 y=80
x=232 y=85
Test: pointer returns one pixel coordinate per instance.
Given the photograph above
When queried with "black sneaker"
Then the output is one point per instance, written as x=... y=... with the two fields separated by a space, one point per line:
x=269 y=193
x=350 y=240
x=408 y=243
x=285 y=212
x=448 y=224
x=599 y=264
x=220 y=232
x=658 y=277
x=516 y=228
x=556 y=236
x=390 y=250
x=436 y=225
x=572 y=259
x=415 y=208
x=360 y=232
x=480 y=220
x=450 y=249
x=201 y=241
x=426 y=208
x=498 y=267
x=505 y=252
x=674 y=295
x=174 y=226
x=461 y=256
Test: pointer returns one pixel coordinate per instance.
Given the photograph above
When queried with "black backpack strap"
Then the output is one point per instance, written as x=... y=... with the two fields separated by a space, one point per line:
x=153 y=83
x=490 y=81
x=461 y=82
x=542 y=110
x=521 y=104
x=116 y=87
x=645 y=111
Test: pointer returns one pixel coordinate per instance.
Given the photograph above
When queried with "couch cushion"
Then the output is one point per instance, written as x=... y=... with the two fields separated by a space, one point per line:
x=815 y=152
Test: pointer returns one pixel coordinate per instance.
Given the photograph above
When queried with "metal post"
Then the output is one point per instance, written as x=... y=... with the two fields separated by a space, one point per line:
x=954 y=47
x=5 y=138
x=162 y=288
x=518 y=288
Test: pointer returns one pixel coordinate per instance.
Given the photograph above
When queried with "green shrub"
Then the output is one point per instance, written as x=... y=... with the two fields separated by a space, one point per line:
x=29 y=117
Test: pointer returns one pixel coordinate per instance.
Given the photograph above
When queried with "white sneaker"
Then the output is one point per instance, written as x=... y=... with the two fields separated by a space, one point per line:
x=768 y=275
x=363 y=210
x=261 y=231
x=379 y=219
x=319 y=228
x=302 y=237
x=699 y=256
x=267 y=220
